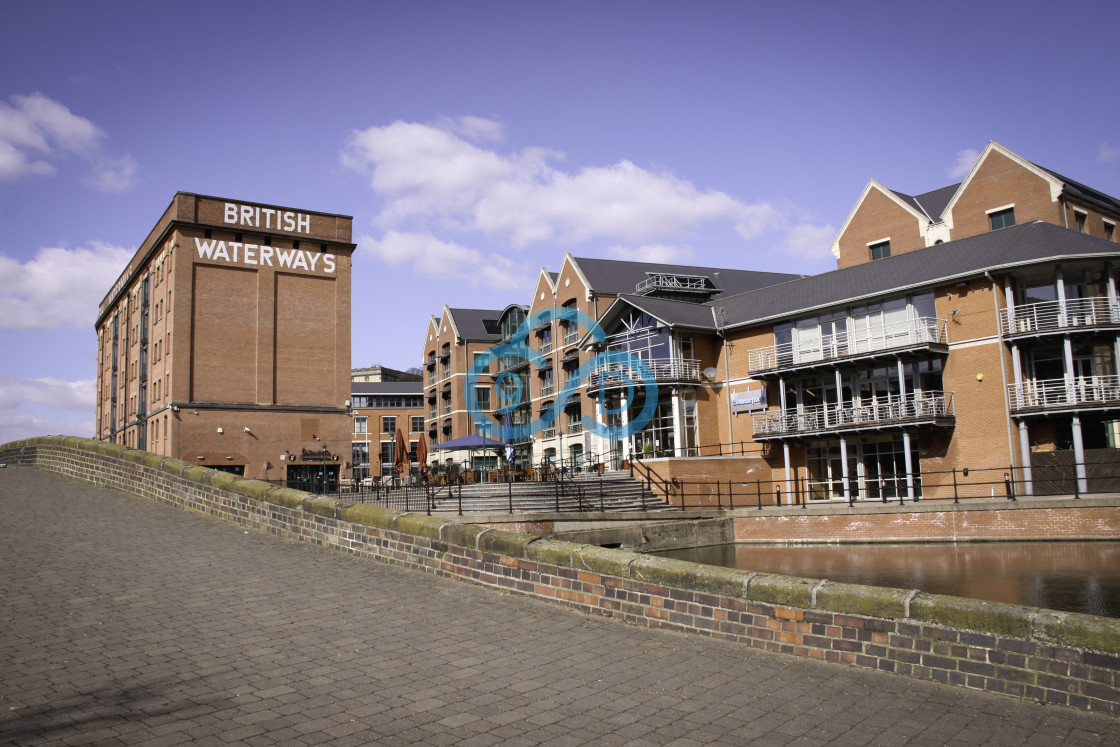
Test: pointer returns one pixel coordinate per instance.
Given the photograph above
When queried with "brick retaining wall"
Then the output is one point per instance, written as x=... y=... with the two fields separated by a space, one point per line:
x=1062 y=658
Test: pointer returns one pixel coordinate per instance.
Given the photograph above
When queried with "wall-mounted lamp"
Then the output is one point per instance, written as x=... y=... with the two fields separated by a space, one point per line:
x=202 y=457
x=979 y=377
x=953 y=313
x=221 y=430
x=246 y=429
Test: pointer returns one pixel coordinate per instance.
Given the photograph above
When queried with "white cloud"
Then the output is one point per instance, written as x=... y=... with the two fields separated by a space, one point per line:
x=963 y=163
x=1108 y=153
x=658 y=253
x=59 y=287
x=43 y=407
x=432 y=257
x=35 y=130
x=443 y=178
x=808 y=242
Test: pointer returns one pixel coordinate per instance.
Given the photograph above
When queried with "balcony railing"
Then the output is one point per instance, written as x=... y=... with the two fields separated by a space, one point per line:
x=1085 y=392
x=575 y=428
x=546 y=347
x=676 y=369
x=548 y=432
x=1059 y=316
x=571 y=336
x=845 y=345
x=925 y=407
x=547 y=390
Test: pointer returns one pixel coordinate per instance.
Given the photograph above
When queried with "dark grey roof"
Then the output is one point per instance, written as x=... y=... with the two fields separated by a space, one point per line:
x=477 y=324
x=1079 y=190
x=931 y=204
x=618 y=276
x=675 y=313
x=934 y=203
x=555 y=276
x=1027 y=243
x=387 y=387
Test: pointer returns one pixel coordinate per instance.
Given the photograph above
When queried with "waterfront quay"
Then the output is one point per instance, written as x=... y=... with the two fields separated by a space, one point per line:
x=128 y=621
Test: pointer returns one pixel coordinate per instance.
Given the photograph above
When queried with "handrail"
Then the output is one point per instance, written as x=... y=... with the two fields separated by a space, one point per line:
x=822 y=348
x=671 y=369
x=1055 y=316
x=1081 y=390
x=876 y=410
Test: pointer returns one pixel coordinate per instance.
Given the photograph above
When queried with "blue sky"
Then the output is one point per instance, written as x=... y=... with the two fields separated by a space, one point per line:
x=476 y=142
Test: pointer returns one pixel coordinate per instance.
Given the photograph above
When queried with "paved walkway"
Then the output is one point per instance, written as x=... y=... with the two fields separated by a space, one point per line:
x=127 y=621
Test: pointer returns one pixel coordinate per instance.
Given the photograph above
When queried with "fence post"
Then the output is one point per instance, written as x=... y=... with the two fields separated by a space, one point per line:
x=803 y=488
x=956 y=497
x=509 y=488
x=758 y=490
x=719 y=498
x=460 y=499
x=1008 y=486
x=1077 y=482
x=777 y=495
x=730 y=495
x=556 y=490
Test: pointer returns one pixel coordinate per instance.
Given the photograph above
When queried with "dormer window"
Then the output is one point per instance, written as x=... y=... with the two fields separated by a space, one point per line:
x=880 y=250
x=1002 y=217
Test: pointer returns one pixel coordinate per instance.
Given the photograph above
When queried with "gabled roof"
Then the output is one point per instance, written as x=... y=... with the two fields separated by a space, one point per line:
x=618 y=276
x=1023 y=244
x=475 y=324
x=670 y=313
x=1087 y=194
x=906 y=202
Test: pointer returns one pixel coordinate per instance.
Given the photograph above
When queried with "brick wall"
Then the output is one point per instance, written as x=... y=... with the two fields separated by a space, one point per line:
x=879 y=217
x=1061 y=658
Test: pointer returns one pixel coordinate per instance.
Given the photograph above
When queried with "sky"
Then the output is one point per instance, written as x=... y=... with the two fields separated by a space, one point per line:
x=474 y=143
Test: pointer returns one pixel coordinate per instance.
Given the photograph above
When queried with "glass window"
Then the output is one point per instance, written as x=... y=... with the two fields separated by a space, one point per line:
x=388 y=424
x=1002 y=218
x=417 y=423
x=1109 y=230
x=882 y=250
x=1080 y=217
x=360 y=425
x=482 y=396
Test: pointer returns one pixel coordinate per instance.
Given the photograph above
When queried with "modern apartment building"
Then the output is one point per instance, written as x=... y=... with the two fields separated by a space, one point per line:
x=379 y=409
x=975 y=325
x=226 y=341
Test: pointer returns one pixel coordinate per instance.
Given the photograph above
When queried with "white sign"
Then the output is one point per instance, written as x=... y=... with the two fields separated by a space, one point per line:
x=239 y=252
x=256 y=216
x=751 y=400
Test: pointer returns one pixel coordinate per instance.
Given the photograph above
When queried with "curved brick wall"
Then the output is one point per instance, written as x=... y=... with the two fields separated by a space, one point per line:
x=1062 y=658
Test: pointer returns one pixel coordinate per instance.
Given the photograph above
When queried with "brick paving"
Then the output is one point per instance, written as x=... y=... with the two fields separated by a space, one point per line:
x=126 y=621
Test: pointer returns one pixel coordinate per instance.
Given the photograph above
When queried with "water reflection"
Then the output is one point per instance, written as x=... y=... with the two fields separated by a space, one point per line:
x=1066 y=576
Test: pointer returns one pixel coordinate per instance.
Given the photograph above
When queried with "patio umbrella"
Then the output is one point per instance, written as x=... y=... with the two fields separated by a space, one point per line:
x=422 y=454
x=400 y=454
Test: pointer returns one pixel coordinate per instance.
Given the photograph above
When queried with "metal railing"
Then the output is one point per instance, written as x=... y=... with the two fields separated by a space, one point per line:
x=547 y=390
x=662 y=281
x=1061 y=393
x=1059 y=316
x=571 y=336
x=546 y=348
x=824 y=348
x=674 y=369
x=1010 y=483
x=879 y=411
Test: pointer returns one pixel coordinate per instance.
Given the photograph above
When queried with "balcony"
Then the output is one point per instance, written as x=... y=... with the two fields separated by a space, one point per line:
x=1082 y=393
x=926 y=408
x=571 y=335
x=1057 y=317
x=574 y=429
x=675 y=370
x=549 y=432
x=547 y=390
x=925 y=334
x=546 y=347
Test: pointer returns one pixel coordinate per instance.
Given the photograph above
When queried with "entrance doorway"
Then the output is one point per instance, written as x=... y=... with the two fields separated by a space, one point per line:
x=313 y=478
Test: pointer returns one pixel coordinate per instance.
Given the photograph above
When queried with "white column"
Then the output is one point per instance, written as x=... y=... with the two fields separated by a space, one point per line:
x=1009 y=296
x=1079 y=455
x=844 y=468
x=624 y=404
x=1025 y=457
x=785 y=444
x=601 y=444
x=1061 y=287
x=678 y=429
x=909 y=465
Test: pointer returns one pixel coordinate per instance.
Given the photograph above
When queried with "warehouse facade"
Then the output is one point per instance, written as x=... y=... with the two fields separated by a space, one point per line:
x=226 y=341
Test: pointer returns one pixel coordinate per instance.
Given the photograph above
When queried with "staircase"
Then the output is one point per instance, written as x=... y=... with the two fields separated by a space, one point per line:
x=609 y=491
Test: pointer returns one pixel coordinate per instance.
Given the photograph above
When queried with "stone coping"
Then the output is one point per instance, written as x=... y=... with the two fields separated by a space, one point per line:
x=1060 y=628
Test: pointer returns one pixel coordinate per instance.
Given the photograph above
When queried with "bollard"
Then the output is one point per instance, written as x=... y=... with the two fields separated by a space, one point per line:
x=777 y=495
x=1008 y=486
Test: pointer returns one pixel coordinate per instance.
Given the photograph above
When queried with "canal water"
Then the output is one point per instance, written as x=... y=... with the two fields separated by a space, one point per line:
x=1065 y=576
